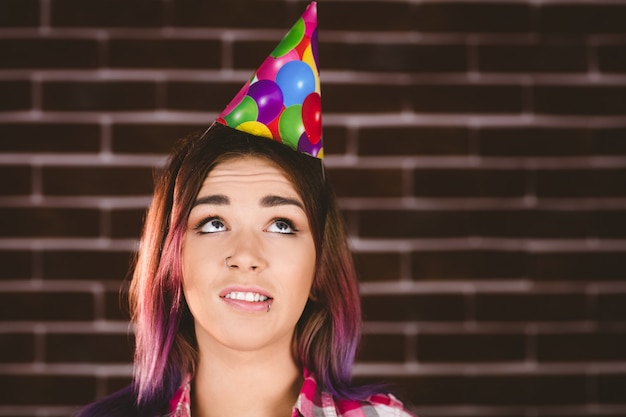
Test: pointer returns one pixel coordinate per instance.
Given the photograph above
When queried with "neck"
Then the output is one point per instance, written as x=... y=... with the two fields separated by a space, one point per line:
x=235 y=383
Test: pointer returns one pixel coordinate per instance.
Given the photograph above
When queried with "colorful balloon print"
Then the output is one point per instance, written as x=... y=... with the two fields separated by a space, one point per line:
x=291 y=39
x=269 y=99
x=271 y=65
x=282 y=99
x=247 y=110
x=297 y=81
x=312 y=117
x=255 y=128
x=290 y=125
x=313 y=149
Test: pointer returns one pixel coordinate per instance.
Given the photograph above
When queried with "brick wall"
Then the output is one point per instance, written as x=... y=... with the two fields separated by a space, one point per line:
x=478 y=147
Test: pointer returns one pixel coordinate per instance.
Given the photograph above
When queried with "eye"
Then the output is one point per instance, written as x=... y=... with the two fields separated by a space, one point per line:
x=283 y=226
x=211 y=225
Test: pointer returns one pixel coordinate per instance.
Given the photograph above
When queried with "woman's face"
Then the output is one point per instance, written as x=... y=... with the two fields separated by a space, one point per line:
x=248 y=257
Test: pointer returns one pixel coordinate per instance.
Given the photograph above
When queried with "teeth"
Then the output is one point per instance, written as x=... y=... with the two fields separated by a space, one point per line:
x=246 y=296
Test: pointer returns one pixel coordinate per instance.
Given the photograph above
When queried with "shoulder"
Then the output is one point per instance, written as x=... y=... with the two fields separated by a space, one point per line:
x=380 y=405
x=120 y=403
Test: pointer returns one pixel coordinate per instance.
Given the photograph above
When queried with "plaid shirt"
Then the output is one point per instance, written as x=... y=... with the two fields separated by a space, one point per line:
x=315 y=403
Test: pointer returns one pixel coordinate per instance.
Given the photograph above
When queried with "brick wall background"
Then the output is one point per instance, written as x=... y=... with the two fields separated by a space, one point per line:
x=478 y=147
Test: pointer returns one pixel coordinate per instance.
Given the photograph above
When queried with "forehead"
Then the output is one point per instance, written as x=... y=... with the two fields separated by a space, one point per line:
x=248 y=172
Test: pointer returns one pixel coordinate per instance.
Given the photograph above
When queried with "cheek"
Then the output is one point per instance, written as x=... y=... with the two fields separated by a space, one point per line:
x=191 y=266
x=305 y=269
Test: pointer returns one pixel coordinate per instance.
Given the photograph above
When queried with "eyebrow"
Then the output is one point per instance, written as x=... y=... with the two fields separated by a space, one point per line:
x=267 y=201
x=276 y=200
x=216 y=200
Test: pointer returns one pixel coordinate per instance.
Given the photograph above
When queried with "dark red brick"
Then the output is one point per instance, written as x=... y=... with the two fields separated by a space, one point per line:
x=581 y=347
x=609 y=223
x=446 y=98
x=335 y=140
x=378 y=266
x=482 y=17
x=48 y=390
x=83 y=265
x=164 y=53
x=570 y=266
x=389 y=57
x=17 y=347
x=365 y=98
x=382 y=348
x=611 y=388
x=411 y=140
x=48 y=306
x=16 y=264
x=598 y=413
x=97 y=181
x=410 y=307
x=200 y=96
x=116 y=306
x=560 y=58
x=610 y=307
x=531 y=307
x=15 y=180
x=493 y=223
x=248 y=54
x=470 y=264
x=106 y=13
x=127 y=223
x=470 y=347
x=48 y=222
x=469 y=183
x=596 y=100
x=49 y=137
x=19 y=13
x=368 y=16
x=16 y=95
x=366 y=183
x=534 y=141
x=425 y=390
x=90 y=348
x=514 y=389
x=149 y=138
x=586 y=183
x=414 y=223
x=533 y=223
x=237 y=14
x=612 y=58
x=583 y=18
x=99 y=96
x=49 y=53
x=609 y=141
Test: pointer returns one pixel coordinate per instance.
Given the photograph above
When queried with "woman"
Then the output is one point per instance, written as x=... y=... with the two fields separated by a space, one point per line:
x=244 y=298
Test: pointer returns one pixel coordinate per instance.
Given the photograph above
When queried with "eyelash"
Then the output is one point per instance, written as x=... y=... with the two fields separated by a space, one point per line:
x=288 y=223
x=206 y=220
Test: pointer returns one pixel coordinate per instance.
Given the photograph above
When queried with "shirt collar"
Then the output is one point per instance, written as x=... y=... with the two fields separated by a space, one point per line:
x=310 y=403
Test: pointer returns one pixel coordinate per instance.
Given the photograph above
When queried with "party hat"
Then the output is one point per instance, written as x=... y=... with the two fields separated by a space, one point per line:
x=282 y=101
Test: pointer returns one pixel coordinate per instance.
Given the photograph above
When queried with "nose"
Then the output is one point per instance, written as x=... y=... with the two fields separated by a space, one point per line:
x=246 y=254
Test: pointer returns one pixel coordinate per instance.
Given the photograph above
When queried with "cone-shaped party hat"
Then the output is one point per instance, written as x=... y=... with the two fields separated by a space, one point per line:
x=282 y=101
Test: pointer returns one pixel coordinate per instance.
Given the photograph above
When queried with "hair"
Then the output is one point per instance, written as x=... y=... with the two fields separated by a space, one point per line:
x=326 y=335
